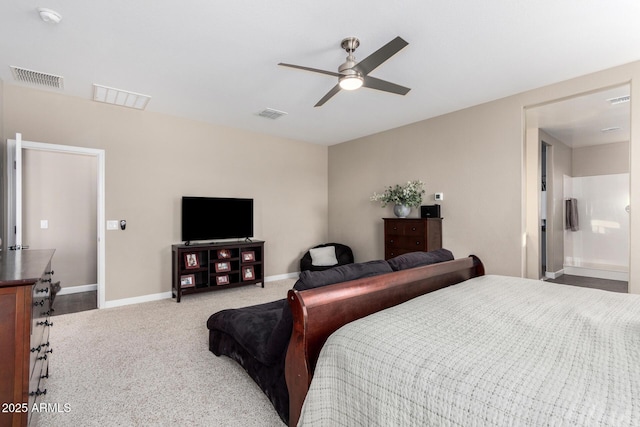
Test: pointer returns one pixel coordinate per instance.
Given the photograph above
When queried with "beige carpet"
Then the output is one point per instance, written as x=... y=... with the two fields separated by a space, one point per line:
x=149 y=365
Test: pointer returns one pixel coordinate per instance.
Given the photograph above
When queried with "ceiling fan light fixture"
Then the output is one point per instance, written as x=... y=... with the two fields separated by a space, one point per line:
x=351 y=82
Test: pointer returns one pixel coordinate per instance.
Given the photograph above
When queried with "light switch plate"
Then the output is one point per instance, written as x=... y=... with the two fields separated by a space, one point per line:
x=112 y=224
x=439 y=196
x=44 y=223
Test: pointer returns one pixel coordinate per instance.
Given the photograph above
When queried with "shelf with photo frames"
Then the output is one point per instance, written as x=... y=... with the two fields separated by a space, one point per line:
x=216 y=266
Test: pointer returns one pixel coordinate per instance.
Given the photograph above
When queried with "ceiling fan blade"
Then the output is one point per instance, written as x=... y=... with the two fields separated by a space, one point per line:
x=328 y=96
x=373 y=83
x=372 y=61
x=315 y=70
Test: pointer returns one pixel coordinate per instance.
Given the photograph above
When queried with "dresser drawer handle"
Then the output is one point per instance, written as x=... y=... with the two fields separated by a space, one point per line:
x=391 y=241
x=45 y=323
x=38 y=392
x=37 y=303
x=43 y=290
x=413 y=229
x=417 y=243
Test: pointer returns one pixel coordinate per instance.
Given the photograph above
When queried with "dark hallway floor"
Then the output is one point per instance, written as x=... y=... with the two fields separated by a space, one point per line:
x=591 y=282
x=73 y=303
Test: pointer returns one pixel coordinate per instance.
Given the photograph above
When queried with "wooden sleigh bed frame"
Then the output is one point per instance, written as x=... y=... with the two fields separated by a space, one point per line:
x=319 y=312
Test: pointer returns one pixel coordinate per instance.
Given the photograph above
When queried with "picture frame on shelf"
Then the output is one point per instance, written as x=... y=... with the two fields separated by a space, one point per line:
x=191 y=260
x=248 y=256
x=222 y=280
x=222 y=266
x=188 y=281
x=248 y=273
x=224 y=253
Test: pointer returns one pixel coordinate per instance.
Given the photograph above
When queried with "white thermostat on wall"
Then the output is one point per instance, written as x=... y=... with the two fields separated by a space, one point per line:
x=439 y=196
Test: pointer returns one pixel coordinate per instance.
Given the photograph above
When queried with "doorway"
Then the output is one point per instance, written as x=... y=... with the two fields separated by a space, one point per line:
x=54 y=160
x=543 y=207
x=582 y=138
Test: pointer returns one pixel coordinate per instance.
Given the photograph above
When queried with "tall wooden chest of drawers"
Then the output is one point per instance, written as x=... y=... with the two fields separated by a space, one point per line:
x=25 y=278
x=403 y=235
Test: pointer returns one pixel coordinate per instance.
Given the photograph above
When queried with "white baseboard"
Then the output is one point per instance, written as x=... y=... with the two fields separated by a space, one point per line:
x=137 y=300
x=167 y=295
x=553 y=274
x=77 y=289
x=293 y=275
x=597 y=273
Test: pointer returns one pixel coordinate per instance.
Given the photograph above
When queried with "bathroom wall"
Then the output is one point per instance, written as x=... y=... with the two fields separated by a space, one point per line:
x=600 y=248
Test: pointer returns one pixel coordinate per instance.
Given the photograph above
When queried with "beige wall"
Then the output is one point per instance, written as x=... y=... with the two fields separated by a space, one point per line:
x=153 y=159
x=3 y=176
x=601 y=159
x=477 y=158
x=61 y=189
x=460 y=154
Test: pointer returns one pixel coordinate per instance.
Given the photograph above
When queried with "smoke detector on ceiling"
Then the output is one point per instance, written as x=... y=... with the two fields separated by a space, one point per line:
x=49 y=16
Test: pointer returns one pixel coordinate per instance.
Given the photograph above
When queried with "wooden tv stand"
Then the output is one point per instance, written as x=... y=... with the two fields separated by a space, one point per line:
x=210 y=267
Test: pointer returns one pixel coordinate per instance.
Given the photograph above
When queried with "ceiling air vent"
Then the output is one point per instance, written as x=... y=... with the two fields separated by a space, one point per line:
x=610 y=129
x=270 y=113
x=37 y=78
x=123 y=98
x=619 y=99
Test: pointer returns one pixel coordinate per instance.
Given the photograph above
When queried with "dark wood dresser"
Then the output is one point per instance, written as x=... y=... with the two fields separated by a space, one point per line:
x=403 y=235
x=25 y=279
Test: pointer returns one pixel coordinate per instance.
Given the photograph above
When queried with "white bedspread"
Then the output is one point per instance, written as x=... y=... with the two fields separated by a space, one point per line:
x=492 y=351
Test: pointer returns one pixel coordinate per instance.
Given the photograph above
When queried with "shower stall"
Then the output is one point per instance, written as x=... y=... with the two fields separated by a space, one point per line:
x=598 y=245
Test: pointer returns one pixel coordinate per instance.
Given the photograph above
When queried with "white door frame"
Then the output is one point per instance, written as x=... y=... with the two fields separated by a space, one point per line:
x=531 y=194
x=14 y=194
x=100 y=157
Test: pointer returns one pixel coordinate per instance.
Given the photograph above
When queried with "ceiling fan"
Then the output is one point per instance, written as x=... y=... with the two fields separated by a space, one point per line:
x=353 y=75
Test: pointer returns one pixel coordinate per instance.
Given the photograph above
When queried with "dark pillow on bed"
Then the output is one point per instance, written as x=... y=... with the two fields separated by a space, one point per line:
x=417 y=259
x=281 y=334
x=314 y=279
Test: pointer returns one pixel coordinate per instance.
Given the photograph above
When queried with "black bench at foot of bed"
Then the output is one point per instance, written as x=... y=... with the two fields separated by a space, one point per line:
x=257 y=337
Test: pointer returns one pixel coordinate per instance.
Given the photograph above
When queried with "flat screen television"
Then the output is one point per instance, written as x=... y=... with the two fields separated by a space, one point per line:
x=208 y=218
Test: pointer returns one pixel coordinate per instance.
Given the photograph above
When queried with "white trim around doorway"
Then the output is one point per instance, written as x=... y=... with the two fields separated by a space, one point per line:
x=100 y=157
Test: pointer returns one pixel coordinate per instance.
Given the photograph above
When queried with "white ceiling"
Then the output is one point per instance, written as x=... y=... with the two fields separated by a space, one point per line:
x=589 y=119
x=216 y=61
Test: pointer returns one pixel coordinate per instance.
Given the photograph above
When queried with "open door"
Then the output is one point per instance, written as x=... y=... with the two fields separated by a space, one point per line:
x=18 y=153
x=14 y=183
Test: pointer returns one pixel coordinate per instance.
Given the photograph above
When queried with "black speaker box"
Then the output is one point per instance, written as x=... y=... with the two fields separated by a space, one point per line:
x=430 y=211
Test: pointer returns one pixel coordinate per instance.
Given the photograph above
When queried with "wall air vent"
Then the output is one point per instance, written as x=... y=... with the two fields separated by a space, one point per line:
x=37 y=78
x=270 y=113
x=120 y=97
x=619 y=99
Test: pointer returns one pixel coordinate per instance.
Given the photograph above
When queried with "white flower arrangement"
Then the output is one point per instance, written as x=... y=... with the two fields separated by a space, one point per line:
x=408 y=195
